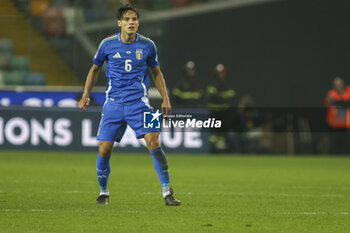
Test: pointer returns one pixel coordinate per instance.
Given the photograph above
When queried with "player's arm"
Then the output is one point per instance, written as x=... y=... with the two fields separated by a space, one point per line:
x=159 y=81
x=89 y=84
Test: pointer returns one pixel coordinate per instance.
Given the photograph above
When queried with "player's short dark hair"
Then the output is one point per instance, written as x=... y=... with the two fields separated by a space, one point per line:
x=122 y=10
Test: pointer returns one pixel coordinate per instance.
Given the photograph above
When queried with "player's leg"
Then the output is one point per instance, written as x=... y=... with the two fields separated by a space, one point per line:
x=161 y=166
x=111 y=129
x=134 y=113
x=103 y=167
x=159 y=159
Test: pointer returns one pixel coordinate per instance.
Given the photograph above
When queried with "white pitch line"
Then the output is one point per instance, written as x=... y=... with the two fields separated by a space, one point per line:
x=321 y=187
x=68 y=192
x=134 y=211
x=72 y=191
x=257 y=194
x=41 y=210
x=11 y=210
x=311 y=213
x=31 y=210
x=293 y=187
x=317 y=213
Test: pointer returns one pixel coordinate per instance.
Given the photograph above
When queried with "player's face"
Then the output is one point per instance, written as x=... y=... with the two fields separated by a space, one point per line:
x=129 y=23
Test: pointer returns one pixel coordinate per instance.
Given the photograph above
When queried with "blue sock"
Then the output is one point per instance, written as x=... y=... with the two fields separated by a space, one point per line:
x=161 y=166
x=103 y=169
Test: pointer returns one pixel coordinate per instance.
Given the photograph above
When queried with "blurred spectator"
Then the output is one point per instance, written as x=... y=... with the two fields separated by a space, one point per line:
x=338 y=116
x=219 y=93
x=54 y=22
x=189 y=91
x=247 y=127
x=220 y=102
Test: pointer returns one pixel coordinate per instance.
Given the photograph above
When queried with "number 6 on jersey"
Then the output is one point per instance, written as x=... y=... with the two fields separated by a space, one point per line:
x=128 y=66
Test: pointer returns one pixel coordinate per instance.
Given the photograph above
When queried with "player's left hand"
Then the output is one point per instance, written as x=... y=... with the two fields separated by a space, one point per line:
x=166 y=108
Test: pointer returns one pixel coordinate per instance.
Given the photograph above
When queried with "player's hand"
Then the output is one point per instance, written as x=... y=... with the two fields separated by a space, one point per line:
x=84 y=101
x=166 y=108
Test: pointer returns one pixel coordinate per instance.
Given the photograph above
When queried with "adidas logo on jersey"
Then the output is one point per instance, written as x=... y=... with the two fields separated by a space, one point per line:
x=117 y=55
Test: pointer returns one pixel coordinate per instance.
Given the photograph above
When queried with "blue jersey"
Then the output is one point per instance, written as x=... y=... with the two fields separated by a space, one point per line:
x=127 y=66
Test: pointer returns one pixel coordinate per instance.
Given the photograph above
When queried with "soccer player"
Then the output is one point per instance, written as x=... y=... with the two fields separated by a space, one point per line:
x=129 y=57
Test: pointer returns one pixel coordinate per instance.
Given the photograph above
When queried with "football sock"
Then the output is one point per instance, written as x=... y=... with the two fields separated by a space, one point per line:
x=166 y=191
x=103 y=169
x=161 y=166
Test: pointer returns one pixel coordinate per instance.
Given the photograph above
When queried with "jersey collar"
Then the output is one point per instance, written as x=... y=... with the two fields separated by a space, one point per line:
x=137 y=36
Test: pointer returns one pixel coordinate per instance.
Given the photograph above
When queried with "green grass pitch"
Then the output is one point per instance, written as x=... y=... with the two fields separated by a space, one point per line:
x=44 y=192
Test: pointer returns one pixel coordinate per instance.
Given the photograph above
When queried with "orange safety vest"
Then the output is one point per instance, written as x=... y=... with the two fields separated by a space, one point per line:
x=338 y=116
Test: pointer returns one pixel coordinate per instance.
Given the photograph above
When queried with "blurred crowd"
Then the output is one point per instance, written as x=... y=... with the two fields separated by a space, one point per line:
x=241 y=123
x=62 y=17
x=250 y=129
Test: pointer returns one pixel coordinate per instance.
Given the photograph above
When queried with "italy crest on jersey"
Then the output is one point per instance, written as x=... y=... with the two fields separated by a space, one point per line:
x=139 y=54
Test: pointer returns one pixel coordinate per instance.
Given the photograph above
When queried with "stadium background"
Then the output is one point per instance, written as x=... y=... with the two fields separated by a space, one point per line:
x=280 y=55
x=283 y=54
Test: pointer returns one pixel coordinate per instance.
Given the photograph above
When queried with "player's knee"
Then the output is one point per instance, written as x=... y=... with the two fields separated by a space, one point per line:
x=153 y=144
x=105 y=150
x=152 y=141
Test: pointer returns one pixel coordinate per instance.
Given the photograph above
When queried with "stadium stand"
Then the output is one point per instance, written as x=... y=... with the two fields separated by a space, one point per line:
x=14 y=78
x=32 y=52
x=159 y=4
x=4 y=62
x=15 y=70
x=20 y=63
x=2 y=79
x=35 y=79
x=6 y=47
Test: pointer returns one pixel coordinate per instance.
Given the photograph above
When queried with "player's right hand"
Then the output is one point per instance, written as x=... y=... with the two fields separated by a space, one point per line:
x=166 y=107
x=84 y=101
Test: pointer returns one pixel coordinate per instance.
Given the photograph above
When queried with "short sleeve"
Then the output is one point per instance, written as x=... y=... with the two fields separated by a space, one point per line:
x=100 y=55
x=152 y=60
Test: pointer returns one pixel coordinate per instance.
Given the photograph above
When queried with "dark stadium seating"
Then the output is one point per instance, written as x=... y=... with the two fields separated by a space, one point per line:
x=20 y=63
x=6 y=47
x=159 y=4
x=4 y=62
x=14 y=77
x=2 y=79
x=15 y=70
x=34 y=79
